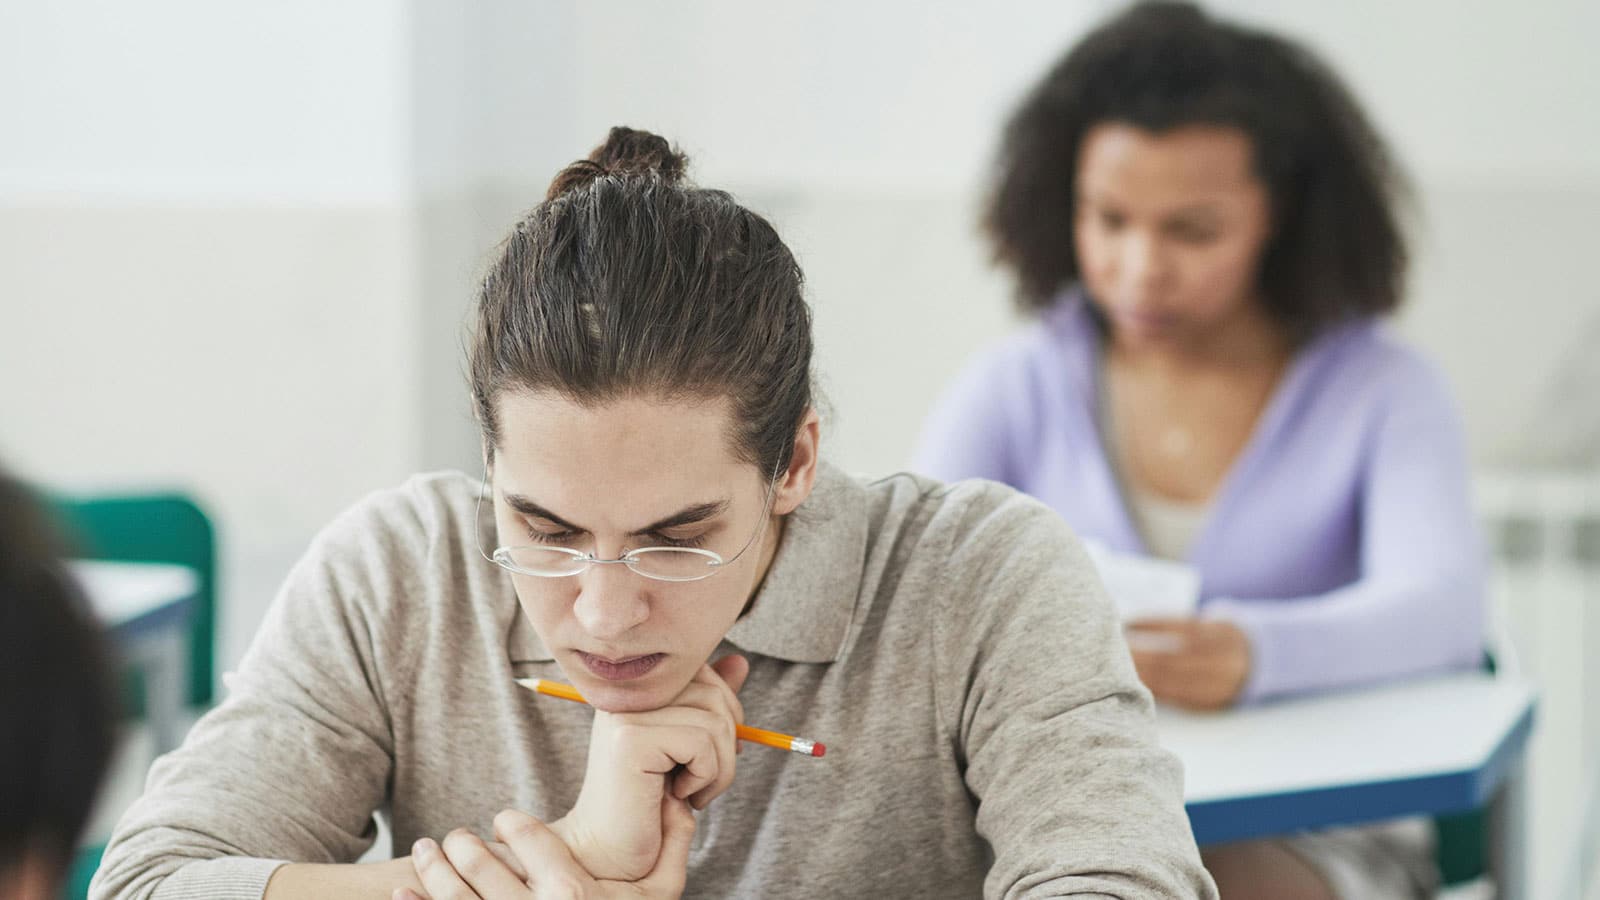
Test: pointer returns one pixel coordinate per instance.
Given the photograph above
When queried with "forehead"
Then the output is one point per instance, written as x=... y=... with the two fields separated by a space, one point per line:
x=643 y=448
x=1188 y=164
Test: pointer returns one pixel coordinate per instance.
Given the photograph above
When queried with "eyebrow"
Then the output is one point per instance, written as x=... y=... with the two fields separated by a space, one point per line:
x=689 y=515
x=1200 y=209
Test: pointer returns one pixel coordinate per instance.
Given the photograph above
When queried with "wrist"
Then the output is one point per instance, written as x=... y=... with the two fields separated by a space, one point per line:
x=597 y=857
x=572 y=833
x=376 y=880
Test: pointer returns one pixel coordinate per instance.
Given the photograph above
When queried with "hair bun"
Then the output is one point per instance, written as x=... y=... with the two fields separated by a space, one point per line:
x=626 y=151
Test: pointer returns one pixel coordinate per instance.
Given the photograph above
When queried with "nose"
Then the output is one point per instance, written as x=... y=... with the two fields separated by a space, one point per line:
x=611 y=601
x=1141 y=263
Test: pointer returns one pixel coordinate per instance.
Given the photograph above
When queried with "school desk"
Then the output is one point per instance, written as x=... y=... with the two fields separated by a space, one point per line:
x=1432 y=746
x=146 y=607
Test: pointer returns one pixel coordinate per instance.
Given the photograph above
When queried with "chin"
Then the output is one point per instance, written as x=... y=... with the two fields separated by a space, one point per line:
x=624 y=698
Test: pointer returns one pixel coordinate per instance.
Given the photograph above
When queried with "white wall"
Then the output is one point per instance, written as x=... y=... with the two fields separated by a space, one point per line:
x=204 y=245
x=294 y=101
x=493 y=100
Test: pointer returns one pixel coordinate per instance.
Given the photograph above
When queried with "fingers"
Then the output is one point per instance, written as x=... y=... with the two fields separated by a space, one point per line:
x=1176 y=626
x=465 y=868
x=707 y=703
x=554 y=873
x=1185 y=679
x=1167 y=642
x=680 y=744
x=509 y=859
x=733 y=669
x=1206 y=670
x=437 y=875
x=709 y=690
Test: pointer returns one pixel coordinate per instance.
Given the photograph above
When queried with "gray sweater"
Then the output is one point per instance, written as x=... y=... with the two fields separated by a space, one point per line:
x=951 y=645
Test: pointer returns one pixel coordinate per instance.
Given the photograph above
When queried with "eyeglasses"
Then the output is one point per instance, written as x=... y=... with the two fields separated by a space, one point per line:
x=659 y=563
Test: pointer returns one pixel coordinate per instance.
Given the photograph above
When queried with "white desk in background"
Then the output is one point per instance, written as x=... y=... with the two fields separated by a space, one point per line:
x=147 y=608
x=1429 y=747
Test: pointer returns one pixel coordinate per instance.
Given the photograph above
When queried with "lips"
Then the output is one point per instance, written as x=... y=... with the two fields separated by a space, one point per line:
x=623 y=669
x=1142 y=322
x=1146 y=317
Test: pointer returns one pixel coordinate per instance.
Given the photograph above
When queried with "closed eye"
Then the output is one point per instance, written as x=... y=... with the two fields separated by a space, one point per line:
x=551 y=537
x=665 y=540
x=657 y=539
x=1192 y=232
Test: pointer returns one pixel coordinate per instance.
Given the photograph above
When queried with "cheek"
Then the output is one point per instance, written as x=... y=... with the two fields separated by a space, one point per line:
x=1218 y=275
x=546 y=601
x=700 y=621
x=1095 y=254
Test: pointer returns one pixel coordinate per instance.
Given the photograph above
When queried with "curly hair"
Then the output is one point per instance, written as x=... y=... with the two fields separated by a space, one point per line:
x=1336 y=249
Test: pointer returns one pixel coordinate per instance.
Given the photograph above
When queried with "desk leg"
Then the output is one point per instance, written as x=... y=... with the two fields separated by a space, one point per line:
x=164 y=659
x=1508 y=836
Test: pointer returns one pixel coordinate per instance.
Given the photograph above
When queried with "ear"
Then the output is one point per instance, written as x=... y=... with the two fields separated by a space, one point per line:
x=795 y=484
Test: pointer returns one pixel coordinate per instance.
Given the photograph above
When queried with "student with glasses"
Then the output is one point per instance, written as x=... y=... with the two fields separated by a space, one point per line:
x=655 y=527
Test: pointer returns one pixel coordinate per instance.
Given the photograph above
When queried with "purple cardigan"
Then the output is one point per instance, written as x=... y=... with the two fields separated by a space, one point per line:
x=1343 y=539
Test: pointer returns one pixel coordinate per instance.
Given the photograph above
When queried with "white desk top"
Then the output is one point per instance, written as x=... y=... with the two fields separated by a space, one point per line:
x=1438 y=725
x=122 y=592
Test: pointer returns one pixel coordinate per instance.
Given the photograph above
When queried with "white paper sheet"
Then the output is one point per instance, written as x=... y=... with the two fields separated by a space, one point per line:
x=1144 y=587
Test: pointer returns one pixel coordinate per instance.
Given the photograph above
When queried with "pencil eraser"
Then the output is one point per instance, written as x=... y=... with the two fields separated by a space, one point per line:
x=818 y=749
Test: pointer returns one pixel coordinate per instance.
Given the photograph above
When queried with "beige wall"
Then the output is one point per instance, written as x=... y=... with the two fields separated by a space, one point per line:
x=262 y=357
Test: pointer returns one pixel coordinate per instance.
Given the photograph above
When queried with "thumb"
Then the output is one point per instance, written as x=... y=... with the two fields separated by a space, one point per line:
x=671 y=873
x=733 y=669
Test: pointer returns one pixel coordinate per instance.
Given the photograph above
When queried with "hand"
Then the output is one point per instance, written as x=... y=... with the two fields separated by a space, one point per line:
x=684 y=750
x=534 y=864
x=1204 y=667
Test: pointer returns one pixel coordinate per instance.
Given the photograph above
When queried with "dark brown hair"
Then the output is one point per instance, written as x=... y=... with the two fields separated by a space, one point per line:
x=1336 y=249
x=55 y=690
x=627 y=280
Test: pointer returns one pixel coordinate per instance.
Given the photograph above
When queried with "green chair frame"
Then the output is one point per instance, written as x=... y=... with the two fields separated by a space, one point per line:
x=166 y=527
x=157 y=528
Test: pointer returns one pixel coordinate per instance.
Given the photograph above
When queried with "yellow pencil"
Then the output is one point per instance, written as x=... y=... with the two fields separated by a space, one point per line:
x=745 y=732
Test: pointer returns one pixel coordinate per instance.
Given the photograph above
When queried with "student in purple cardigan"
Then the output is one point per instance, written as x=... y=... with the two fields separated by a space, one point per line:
x=1203 y=222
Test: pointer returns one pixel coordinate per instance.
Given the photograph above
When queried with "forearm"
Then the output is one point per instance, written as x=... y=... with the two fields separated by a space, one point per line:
x=378 y=881
x=1367 y=632
x=359 y=881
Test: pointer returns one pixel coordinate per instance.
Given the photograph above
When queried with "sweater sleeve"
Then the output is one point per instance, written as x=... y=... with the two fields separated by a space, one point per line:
x=293 y=763
x=1419 y=603
x=1073 y=792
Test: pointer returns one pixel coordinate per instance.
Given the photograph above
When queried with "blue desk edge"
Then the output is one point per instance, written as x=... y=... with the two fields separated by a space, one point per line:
x=1239 y=818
